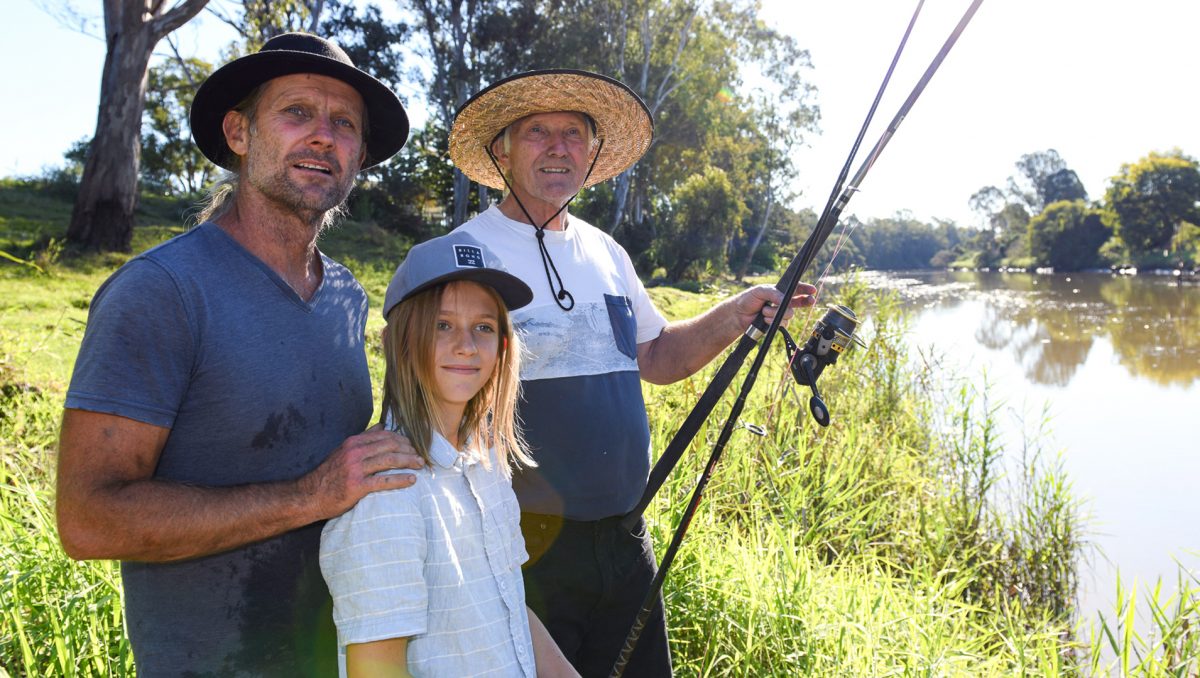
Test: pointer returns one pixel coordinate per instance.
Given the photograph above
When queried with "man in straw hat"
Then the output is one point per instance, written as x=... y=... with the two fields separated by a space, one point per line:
x=592 y=334
x=216 y=413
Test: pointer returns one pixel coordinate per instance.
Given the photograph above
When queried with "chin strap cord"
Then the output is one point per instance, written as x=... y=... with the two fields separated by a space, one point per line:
x=564 y=299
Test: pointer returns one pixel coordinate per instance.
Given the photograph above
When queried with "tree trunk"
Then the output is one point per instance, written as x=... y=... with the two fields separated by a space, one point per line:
x=485 y=198
x=666 y=86
x=462 y=194
x=620 y=195
x=762 y=230
x=103 y=215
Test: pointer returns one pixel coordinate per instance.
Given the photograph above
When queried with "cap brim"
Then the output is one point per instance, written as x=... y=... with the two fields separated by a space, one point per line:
x=228 y=85
x=512 y=290
x=623 y=121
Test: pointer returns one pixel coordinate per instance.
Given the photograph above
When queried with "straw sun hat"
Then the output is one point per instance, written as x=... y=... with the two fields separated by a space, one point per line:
x=623 y=122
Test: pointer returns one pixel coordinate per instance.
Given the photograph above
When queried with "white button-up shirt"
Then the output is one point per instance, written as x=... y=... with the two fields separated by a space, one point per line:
x=438 y=563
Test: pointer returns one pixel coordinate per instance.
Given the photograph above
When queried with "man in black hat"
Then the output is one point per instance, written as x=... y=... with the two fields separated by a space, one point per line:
x=216 y=414
x=593 y=335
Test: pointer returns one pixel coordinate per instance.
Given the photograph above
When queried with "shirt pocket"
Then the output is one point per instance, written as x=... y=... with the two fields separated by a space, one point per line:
x=624 y=326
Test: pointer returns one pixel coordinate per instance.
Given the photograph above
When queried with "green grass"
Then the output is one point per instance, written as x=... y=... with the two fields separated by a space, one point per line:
x=899 y=541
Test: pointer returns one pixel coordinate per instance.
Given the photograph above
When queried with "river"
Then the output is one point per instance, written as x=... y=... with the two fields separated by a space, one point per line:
x=1116 y=362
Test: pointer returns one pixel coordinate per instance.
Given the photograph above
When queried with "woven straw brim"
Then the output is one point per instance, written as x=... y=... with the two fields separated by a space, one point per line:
x=622 y=120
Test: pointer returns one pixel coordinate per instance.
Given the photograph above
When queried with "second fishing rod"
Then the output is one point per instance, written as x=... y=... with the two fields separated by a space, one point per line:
x=832 y=334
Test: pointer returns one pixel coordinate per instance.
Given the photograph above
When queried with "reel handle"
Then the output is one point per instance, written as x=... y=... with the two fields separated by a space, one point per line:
x=816 y=404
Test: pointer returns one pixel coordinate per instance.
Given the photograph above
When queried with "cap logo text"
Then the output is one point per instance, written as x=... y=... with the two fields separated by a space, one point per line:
x=468 y=256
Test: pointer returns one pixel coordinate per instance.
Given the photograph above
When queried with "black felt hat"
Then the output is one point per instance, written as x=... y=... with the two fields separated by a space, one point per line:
x=288 y=54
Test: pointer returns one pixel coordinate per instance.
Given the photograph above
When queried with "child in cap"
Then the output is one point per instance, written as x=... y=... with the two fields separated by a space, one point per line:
x=427 y=579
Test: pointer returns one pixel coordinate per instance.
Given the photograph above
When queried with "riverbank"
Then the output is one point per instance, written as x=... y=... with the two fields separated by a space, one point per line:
x=890 y=543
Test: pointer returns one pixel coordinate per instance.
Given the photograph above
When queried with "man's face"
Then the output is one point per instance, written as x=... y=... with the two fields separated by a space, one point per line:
x=548 y=157
x=305 y=146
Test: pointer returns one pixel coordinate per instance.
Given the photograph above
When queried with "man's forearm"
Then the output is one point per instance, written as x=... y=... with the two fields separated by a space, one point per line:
x=686 y=346
x=111 y=506
x=159 y=521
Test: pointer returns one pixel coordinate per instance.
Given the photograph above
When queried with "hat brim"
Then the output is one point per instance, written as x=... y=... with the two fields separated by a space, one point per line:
x=228 y=85
x=623 y=122
x=512 y=290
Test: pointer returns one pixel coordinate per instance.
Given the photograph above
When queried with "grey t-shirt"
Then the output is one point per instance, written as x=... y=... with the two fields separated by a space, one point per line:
x=257 y=385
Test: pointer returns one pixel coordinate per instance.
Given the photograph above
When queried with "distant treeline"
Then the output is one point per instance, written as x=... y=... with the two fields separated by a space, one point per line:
x=1146 y=218
x=712 y=195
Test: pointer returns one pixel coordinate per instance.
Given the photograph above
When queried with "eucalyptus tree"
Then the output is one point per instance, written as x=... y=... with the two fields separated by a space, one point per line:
x=694 y=64
x=102 y=217
x=467 y=44
x=1044 y=178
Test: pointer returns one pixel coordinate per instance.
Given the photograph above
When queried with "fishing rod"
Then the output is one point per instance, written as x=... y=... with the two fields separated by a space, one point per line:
x=831 y=336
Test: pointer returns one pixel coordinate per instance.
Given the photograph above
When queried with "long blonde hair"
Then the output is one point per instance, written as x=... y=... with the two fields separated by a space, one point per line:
x=409 y=389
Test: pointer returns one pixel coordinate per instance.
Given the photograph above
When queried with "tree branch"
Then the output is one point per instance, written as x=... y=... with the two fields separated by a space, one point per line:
x=177 y=16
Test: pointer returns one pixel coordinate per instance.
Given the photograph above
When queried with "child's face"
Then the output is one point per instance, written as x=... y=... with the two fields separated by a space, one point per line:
x=466 y=348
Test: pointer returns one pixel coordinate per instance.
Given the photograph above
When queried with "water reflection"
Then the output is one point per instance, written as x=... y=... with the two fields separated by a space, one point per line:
x=1113 y=366
x=1050 y=323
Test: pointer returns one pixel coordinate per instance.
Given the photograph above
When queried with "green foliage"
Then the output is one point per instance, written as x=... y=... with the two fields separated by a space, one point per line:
x=1152 y=198
x=260 y=20
x=881 y=545
x=1186 y=244
x=688 y=62
x=902 y=242
x=1061 y=185
x=1068 y=236
x=372 y=42
x=1172 y=648
x=1043 y=179
x=705 y=212
x=171 y=163
x=406 y=195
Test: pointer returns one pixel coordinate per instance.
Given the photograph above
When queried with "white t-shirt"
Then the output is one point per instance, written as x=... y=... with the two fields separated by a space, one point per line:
x=581 y=405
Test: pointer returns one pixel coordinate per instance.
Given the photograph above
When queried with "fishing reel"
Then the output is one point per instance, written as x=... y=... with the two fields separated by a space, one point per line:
x=830 y=338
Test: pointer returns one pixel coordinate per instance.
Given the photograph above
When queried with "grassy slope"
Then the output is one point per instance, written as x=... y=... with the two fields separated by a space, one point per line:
x=869 y=548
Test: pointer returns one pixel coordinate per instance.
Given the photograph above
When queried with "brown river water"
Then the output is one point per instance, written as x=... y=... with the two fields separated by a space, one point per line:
x=1115 y=362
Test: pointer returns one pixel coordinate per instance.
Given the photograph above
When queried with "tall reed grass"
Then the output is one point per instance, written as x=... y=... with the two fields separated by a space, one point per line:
x=59 y=617
x=899 y=541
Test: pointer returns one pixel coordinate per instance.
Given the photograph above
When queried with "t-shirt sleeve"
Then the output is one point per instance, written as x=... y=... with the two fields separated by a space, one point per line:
x=372 y=558
x=139 y=348
x=650 y=322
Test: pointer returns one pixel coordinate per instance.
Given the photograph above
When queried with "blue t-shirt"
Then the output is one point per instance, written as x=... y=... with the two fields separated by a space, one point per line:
x=257 y=385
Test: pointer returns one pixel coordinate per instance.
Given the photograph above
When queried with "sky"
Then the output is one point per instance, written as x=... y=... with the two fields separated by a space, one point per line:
x=1103 y=82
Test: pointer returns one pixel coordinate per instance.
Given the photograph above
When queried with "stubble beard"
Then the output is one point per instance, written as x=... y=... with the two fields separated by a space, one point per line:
x=319 y=207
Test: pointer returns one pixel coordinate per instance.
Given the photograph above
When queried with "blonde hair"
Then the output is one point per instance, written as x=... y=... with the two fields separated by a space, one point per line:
x=409 y=389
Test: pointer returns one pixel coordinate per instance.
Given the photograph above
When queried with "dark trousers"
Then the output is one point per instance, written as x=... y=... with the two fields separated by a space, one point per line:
x=587 y=580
